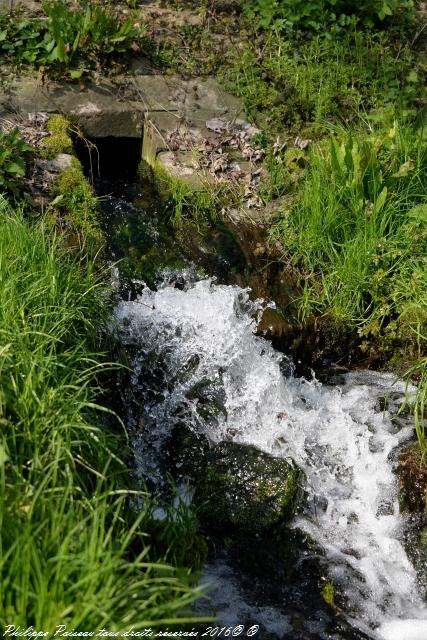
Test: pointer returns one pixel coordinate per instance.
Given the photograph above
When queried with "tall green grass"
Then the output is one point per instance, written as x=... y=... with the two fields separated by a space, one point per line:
x=358 y=229
x=72 y=549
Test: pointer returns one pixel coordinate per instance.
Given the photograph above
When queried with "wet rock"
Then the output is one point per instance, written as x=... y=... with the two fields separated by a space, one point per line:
x=412 y=473
x=273 y=324
x=236 y=485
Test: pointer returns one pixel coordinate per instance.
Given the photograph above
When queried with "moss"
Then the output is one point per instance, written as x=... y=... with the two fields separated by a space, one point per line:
x=328 y=593
x=246 y=489
x=59 y=140
x=80 y=207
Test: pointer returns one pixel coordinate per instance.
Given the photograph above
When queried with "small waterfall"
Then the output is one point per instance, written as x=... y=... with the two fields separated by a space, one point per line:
x=202 y=335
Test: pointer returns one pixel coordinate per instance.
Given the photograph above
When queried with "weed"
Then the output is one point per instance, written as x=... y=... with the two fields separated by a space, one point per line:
x=195 y=203
x=13 y=153
x=294 y=83
x=314 y=15
x=79 y=36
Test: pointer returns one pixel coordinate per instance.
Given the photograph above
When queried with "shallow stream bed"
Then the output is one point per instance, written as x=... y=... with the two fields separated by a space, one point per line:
x=198 y=366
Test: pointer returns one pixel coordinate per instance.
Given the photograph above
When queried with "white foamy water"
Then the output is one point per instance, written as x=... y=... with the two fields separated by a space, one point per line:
x=204 y=339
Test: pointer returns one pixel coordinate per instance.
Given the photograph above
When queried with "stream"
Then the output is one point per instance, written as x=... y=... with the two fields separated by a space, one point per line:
x=197 y=361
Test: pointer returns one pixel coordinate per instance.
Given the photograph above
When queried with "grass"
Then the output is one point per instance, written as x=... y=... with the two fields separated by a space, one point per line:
x=72 y=549
x=304 y=83
x=357 y=230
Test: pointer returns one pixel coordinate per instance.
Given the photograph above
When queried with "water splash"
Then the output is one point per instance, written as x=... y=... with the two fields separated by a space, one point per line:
x=201 y=336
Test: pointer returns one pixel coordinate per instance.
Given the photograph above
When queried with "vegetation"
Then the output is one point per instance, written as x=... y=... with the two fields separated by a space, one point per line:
x=196 y=203
x=75 y=209
x=73 y=550
x=78 y=207
x=338 y=91
x=59 y=140
x=302 y=85
x=77 y=36
x=315 y=15
x=13 y=154
x=357 y=233
x=328 y=593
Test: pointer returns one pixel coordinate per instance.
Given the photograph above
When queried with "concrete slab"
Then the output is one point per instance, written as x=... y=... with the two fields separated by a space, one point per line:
x=98 y=108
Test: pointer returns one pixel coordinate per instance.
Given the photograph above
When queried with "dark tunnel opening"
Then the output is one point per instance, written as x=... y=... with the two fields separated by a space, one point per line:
x=109 y=158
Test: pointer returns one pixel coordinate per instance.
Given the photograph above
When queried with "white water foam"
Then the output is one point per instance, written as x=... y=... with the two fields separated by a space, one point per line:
x=337 y=435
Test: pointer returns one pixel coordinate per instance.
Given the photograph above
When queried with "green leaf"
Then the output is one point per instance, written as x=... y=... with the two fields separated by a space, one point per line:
x=75 y=74
x=3 y=455
x=418 y=213
x=385 y=11
x=87 y=20
x=57 y=200
x=412 y=76
x=381 y=200
x=15 y=169
x=337 y=159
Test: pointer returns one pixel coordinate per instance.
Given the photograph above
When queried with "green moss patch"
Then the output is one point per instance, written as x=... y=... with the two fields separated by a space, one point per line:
x=59 y=140
x=80 y=206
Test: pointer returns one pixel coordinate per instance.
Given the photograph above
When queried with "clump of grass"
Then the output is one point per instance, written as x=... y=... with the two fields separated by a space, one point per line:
x=195 y=201
x=418 y=405
x=357 y=233
x=73 y=551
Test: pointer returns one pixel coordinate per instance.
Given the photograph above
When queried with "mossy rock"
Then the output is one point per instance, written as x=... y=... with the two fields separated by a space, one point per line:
x=236 y=485
x=245 y=488
x=80 y=206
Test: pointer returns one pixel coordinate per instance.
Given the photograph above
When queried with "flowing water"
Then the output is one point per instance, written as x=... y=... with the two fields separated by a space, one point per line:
x=201 y=335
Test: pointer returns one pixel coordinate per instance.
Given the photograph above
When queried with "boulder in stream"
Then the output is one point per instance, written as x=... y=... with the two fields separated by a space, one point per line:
x=238 y=485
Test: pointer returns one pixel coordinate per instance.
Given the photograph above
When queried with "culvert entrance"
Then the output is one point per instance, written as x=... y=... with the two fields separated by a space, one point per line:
x=109 y=158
